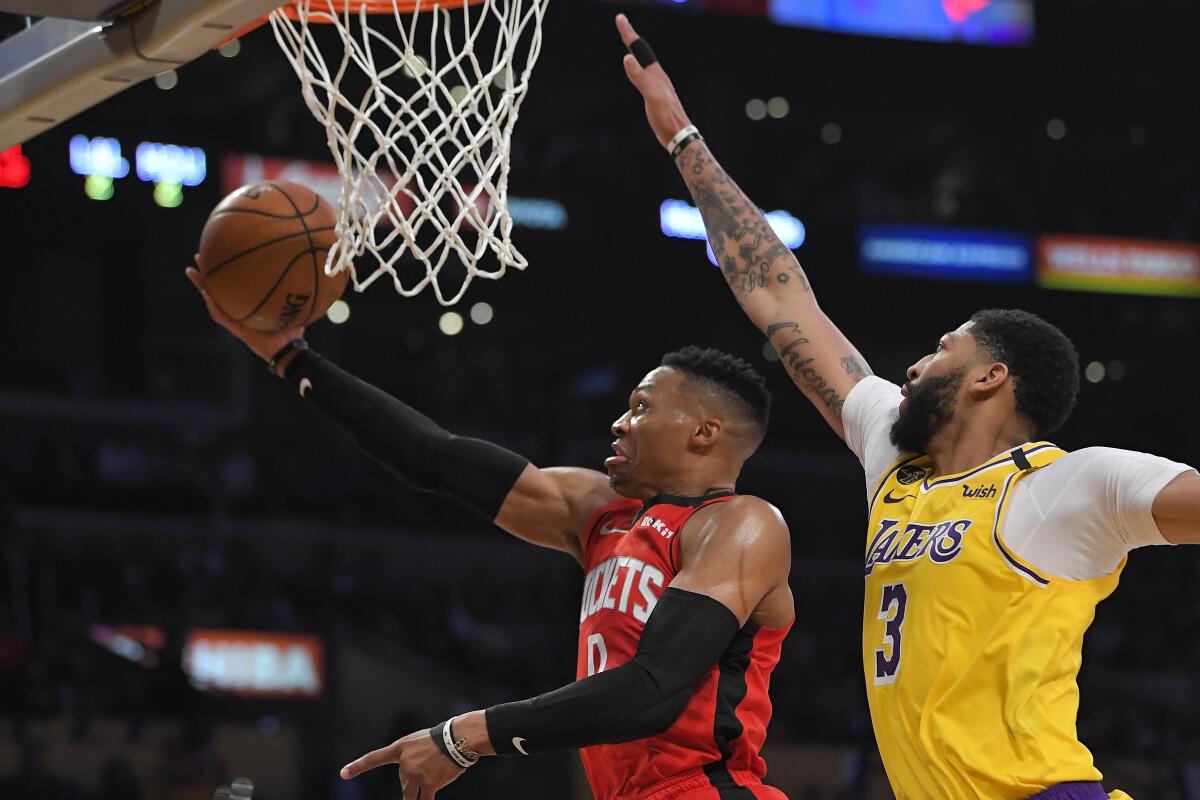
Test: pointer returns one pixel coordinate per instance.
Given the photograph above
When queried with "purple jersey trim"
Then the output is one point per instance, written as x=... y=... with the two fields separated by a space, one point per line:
x=1076 y=790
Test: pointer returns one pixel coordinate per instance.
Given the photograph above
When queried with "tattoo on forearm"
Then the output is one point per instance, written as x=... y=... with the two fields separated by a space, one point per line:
x=750 y=254
x=799 y=366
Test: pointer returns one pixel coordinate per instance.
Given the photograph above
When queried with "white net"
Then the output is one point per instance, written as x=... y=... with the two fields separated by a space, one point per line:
x=419 y=112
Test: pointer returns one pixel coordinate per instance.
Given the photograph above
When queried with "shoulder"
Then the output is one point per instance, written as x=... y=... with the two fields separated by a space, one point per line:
x=873 y=393
x=1102 y=463
x=743 y=522
x=749 y=507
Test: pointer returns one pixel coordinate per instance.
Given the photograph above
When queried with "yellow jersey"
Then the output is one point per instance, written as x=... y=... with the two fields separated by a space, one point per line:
x=970 y=654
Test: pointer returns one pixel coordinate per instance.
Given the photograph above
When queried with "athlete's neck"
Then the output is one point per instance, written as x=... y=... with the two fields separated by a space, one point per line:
x=689 y=486
x=970 y=440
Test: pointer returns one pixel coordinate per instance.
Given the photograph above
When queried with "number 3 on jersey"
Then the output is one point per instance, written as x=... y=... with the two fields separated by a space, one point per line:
x=891 y=609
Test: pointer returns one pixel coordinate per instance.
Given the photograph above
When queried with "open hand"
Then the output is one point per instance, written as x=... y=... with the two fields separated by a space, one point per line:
x=424 y=768
x=663 y=109
x=265 y=345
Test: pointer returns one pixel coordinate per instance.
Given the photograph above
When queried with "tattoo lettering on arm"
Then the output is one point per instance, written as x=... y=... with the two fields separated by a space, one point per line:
x=799 y=365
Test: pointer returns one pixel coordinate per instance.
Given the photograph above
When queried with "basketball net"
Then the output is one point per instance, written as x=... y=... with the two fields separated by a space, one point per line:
x=419 y=121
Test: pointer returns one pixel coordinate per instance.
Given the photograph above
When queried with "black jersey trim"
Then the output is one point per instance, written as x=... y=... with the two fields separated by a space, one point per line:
x=681 y=500
x=727 y=788
x=1007 y=457
x=727 y=728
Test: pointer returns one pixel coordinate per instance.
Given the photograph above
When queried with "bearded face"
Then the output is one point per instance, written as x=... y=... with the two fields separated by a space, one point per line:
x=928 y=410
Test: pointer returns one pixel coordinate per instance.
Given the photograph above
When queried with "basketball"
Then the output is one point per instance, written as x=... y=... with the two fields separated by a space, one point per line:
x=262 y=254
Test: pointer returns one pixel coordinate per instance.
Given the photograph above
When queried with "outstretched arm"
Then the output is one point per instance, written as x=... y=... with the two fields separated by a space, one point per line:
x=735 y=560
x=1176 y=509
x=764 y=275
x=547 y=507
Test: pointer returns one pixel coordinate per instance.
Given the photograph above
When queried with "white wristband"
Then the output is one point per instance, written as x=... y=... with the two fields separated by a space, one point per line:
x=448 y=738
x=679 y=137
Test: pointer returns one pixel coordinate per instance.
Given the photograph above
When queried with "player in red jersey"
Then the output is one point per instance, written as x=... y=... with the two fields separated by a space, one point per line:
x=685 y=598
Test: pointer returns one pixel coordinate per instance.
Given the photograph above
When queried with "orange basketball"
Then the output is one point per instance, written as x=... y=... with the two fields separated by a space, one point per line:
x=262 y=254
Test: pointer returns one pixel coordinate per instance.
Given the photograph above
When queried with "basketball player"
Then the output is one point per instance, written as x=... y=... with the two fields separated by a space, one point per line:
x=663 y=531
x=987 y=548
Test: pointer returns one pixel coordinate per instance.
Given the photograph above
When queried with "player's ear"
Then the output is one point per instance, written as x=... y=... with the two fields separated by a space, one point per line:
x=990 y=380
x=707 y=432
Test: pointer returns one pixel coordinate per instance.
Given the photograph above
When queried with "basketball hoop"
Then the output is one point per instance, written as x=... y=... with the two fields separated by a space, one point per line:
x=419 y=121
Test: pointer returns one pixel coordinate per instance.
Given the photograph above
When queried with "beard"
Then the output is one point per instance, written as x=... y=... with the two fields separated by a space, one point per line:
x=928 y=410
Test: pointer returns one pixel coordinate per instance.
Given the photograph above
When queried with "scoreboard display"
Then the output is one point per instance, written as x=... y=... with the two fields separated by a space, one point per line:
x=1000 y=23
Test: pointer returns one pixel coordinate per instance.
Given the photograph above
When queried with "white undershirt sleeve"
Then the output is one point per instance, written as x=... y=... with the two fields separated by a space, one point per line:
x=871 y=408
x=1079 y=516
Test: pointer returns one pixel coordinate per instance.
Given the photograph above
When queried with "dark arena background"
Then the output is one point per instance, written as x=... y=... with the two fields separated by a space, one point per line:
x=201 y=578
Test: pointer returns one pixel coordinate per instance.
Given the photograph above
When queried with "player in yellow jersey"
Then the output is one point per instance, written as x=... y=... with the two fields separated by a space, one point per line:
x=987 y=549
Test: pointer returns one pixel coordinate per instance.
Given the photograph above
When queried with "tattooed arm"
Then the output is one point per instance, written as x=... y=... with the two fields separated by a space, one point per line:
x=764 y=275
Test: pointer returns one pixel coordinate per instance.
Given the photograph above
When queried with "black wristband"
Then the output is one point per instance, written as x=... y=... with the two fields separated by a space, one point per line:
x=439 y=738
x=295 y=344
x=642 y=52
x=691 y=137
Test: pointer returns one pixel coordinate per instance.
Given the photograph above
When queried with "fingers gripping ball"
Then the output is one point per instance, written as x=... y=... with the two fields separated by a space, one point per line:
x=262 y=254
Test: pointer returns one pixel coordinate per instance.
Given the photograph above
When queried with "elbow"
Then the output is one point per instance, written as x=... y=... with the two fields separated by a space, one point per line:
x=657 y=717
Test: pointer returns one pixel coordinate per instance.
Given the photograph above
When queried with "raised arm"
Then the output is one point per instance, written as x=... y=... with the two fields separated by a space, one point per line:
x=764 y=275
x=735 y=562
x=546 y=507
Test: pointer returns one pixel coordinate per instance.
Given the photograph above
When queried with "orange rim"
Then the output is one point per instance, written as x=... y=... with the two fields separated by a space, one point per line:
x=372 y=6
x=375 y=6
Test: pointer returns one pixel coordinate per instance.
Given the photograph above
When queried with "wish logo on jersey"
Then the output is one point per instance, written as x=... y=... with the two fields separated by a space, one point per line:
x=610 y=584
x=942 y=542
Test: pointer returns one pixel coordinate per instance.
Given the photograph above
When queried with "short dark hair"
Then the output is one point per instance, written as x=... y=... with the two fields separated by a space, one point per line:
x=730 y=375
x=1041 y=359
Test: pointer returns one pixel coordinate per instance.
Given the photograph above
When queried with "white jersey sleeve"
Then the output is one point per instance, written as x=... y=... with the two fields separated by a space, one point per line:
x=871 y=407
x=1079 y=516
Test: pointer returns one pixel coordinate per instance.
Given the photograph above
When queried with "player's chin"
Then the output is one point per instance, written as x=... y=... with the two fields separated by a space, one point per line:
x=620 y=480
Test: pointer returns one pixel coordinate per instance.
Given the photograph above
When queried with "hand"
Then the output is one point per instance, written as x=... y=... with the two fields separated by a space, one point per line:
x=265 y=345
x=424 y=769
x=663 y=109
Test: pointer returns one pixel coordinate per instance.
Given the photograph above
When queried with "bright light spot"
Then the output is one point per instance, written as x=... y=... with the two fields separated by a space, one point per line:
x=502 y=79
x=481 y=313
x=769 y=353
x=459 y=93
x=100 y=156
x=98 y=187
x=778 y=107
x=166 y=80
x=756 y=109
x=831 y=133
x=230 y=48
x=451 y=323
x=1116 y=370
x=415 y=66
x=682 y=220
x=1056 y=129
x=168 y=195
x=339 y=312
x=1094 y=372
x=1138 y=135
x=170 y=163
x=537 y=212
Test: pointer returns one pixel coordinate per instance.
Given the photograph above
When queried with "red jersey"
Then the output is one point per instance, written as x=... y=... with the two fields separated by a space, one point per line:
x=631 y=554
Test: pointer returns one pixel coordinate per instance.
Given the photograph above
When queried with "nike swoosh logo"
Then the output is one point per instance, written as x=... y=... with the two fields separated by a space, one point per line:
x=305 y=386
x=887 y=498
x=608 y=528
x=517 y=744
